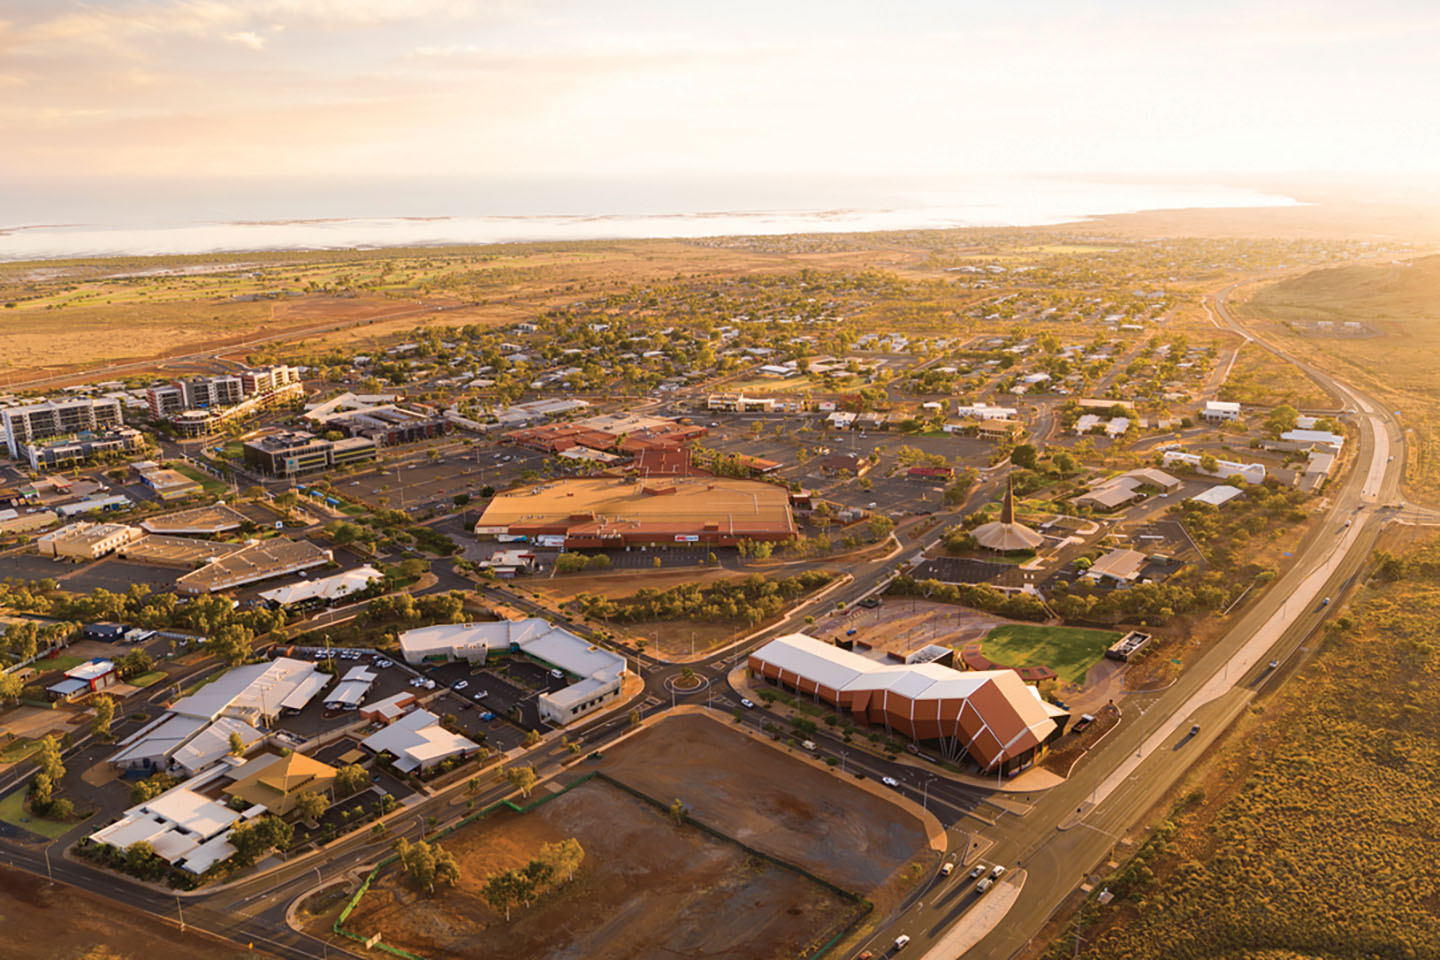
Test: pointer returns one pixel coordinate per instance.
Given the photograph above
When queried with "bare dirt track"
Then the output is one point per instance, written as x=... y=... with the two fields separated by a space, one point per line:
x=802 y=814
x=647 y=889
x=39 y=921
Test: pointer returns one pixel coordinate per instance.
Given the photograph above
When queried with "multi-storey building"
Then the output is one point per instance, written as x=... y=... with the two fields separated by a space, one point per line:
x=165 y=402
x=206 y=392
x=267 y=379
x=38 y=421
x=299 y=452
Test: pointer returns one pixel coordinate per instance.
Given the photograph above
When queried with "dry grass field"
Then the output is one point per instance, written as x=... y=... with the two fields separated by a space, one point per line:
x=1311 y=833
x=1399 y=300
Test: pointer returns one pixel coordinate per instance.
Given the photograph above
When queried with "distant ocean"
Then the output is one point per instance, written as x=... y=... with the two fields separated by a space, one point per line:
x=96 y=218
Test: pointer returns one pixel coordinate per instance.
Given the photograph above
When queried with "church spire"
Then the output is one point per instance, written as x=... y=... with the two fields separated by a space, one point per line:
x=1007 y=506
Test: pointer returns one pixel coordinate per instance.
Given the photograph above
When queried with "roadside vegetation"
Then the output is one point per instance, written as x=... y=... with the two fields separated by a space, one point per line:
x=1312 y=832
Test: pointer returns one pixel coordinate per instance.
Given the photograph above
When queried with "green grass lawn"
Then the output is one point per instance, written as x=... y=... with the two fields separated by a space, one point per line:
x=1069 y=651
x=12 y=810
x=18 y=749
x=210 y=484
x=58 y=663
x=146 y=679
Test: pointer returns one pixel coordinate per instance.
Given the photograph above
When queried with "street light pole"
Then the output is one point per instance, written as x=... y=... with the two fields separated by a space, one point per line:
x=180 y=911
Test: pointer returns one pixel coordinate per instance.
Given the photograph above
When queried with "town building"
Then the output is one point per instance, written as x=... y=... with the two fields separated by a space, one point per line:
x=259 y=560
x=1218 y=410
x=195 y=731
x=1121 y=565
x=56 y=453
x=208 y=520
x=38 y=421
x=1007 y=534
x=598 y=673
x=1225 y=469
x=84 y=540
x=298 y=452
x=83 y=679
x=278 y=782
x=991 y=718
x=418 y=742
x=323 y=590
x=612 y=513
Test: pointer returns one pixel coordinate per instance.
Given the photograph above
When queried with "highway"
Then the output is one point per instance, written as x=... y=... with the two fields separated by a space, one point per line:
x=1076 y=826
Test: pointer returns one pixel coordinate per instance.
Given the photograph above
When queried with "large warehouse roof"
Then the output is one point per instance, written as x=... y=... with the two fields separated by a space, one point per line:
x=610 y=508
x=991 y=713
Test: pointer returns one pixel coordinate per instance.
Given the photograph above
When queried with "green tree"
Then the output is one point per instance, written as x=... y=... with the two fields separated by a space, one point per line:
x=42 y=791
x=140 y=858
x=1282 y=418
x=48 y=758
x=503 y=890
x=237 y=744
x=350 y=778
x=233 y=643
x=253 y=837
x=532 y=738
x=880 y=526
x=1025 y=456
x=310 y=805
x=522 y=778
x=564 y=857
x=10 y=687
x=104 y=716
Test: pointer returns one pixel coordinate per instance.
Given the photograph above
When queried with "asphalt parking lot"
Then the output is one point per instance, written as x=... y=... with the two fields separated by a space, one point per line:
x=110 y=573
x=418 y=483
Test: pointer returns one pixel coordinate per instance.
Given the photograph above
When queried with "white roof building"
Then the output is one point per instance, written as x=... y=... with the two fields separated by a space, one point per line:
x=418 y=742
x=185 y=828
x=600 y=671
x=1315 y=438
x=1220 y=410
x=351 y=690
x=328 y=589
x=1121 y=564
x=1218 y=494
x=983 y=411
x=196 y=730
x=1249 y=472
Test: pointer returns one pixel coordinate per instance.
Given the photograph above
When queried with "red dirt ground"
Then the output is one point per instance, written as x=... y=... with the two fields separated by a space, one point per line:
x=43 y=922
x=774 y=802
x=646 y=889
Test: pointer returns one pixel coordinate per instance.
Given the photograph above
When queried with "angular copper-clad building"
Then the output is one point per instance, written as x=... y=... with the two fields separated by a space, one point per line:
x=987 y=716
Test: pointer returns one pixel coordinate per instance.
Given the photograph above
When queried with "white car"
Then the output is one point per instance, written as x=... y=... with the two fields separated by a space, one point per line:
x=461 y=685
x=890 y=782
x=998 y=872
x=747 y=703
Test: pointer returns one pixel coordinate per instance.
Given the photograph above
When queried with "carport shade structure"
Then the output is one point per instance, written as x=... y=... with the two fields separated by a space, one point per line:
x=990 y=716
x=1005 y=534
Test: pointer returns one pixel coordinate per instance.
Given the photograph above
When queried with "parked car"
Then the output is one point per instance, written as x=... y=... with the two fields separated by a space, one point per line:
x=461 y=684
x=487 y=715
x=871 y=602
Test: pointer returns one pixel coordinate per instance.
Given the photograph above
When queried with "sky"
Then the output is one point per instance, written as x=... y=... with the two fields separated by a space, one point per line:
x=200 y=89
